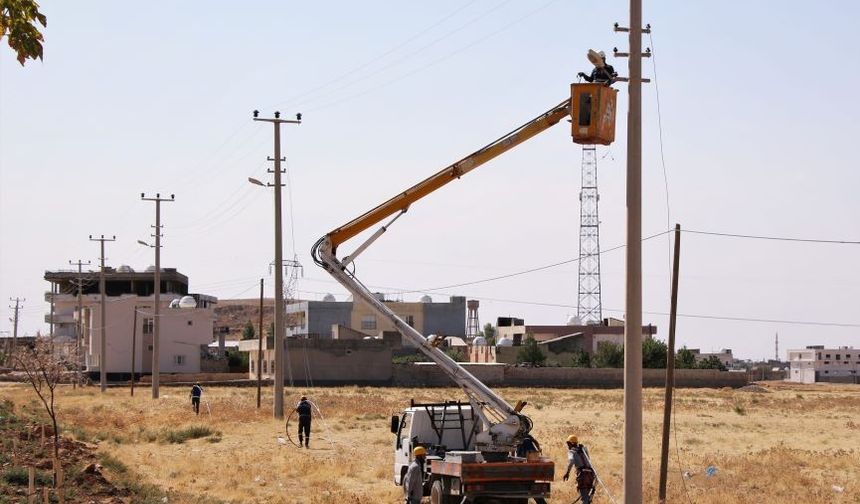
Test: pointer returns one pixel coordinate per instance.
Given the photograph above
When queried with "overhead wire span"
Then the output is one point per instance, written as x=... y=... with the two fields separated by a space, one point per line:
x=405 y=57
x=772 y=238
x=433 y=62
x=364 y=65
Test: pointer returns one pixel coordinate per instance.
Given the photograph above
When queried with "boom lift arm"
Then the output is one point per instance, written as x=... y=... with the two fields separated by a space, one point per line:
x=505 y=424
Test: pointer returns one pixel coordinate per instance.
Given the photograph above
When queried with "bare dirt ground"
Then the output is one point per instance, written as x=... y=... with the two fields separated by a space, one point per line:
x=778 y=444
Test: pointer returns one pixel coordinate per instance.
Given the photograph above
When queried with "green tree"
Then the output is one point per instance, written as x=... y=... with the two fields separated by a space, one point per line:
x=456 y=354
x=248 y=332
x=490 y=334
x=654 y=353
x=580 y=359
x=712 y=362
x=530 y=353
x=608 y=355
x=18 y=20
x=685 y=359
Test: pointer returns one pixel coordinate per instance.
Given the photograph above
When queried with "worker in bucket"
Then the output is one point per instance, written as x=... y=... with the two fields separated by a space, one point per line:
x=413 y=482
x=603 y=72
x=304 y=410
x=577 y=456
x=196 y=393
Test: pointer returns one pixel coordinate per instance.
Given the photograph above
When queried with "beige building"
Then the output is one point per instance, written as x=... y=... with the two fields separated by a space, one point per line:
x=184 y=332
x=725 y=356
x=816 y=363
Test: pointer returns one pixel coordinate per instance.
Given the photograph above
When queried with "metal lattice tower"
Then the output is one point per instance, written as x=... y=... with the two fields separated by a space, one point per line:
x=588 y=305
x=473 y=326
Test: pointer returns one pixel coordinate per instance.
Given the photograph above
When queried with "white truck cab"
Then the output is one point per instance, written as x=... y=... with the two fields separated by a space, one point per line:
x=439 y=427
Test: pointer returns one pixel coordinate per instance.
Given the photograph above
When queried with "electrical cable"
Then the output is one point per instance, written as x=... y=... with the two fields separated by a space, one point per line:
x=375 y=59
x=773 y=238
x=434 y=62
x=405 y=57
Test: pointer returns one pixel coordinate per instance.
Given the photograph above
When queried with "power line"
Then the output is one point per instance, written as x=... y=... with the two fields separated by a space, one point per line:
x=774 y=238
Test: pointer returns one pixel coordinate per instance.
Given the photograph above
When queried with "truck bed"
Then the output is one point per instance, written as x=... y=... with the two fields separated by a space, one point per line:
x=484 y=472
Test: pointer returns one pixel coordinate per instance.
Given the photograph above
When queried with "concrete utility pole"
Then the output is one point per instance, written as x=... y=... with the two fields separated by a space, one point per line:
x=633 y=296
x=278 y=409
x=260 y=350
x=156 y=317
x=14 y=321
x=103 y=339
x=79 y=327
x=51 y=325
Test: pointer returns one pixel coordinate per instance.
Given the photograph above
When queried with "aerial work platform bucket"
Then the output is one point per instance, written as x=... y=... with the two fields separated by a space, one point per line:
x=592 y=113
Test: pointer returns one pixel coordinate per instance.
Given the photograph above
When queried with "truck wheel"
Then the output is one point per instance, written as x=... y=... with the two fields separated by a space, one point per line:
x=437 y=494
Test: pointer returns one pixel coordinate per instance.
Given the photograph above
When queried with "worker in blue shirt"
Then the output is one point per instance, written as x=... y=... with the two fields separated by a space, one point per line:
x=196 y=392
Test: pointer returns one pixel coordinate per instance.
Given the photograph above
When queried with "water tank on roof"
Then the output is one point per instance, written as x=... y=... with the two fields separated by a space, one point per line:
x=329 y=298
x=125 y=268
x=379 y=296
x=426 y=299
x=174 y=303
x=150 y=269
x=188 y=302
x=479 y=341
x=505 y=342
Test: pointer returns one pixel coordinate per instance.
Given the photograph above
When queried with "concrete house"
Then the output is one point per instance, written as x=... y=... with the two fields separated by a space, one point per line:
x=129 y=297
x=816 y=363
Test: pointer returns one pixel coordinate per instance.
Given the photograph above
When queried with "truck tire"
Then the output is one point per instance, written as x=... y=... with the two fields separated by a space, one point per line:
x=438 y=495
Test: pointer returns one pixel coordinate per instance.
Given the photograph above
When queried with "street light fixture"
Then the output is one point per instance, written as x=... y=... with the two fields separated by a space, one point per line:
x=256 y=182
x=144 y=243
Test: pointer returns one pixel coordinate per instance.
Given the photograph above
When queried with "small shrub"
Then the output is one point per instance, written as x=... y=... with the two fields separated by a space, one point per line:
x=19 y=476
x=740 y=410
x=112 y=463
x=182 y=435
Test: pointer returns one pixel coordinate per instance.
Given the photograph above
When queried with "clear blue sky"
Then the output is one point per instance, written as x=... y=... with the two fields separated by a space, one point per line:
x=759 y=118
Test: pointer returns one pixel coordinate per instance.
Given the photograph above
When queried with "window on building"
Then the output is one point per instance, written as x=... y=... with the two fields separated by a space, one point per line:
x=827 y=356
x=368 y=323
x=409 y=319
x=179 y=360
x=252 y=365
x=838 y=356
x=190 y=323
x=272 y=366
x=149 y=348
x=264 y=367
x=827 y=362
x=148 y=325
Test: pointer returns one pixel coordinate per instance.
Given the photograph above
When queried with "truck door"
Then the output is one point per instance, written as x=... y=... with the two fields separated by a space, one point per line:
x=402 y=448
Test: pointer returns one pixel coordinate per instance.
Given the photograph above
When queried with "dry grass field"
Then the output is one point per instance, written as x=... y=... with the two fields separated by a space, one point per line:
x=788 y=444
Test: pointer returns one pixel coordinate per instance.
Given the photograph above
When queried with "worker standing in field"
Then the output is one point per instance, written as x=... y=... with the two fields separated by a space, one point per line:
x=196 y=392
x=305 y=411
x=577 y=456
x=413 y=482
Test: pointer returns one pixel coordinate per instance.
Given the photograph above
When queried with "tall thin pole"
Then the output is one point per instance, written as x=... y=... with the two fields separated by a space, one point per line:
x=103 y=339
x=260 y=349
x=670 y=369
x=14 y=321
x=79 y=327
x=157 y=280
x=278 y=407
x=133 y=348
x=53 y=295
x=633 y=297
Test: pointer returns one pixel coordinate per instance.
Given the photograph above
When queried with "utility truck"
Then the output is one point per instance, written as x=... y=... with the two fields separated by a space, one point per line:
x=469 y=444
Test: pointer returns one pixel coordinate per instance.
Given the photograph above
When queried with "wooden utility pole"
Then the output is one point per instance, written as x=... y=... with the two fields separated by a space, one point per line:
x=670 y=369
x=133 y=348
x=260 y=349
x=79 y=327
x=157 y=318
x=103 y=339
x=278 y=407
x=14 y=321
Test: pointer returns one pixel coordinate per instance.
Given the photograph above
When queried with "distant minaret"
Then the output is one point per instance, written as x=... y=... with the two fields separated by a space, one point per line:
x=776 y=345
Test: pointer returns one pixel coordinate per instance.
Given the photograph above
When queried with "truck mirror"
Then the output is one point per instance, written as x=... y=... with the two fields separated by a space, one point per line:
x=395 y=424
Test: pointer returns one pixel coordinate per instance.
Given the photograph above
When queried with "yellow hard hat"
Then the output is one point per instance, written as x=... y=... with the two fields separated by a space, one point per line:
x=572 y=439
x=419 y=451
